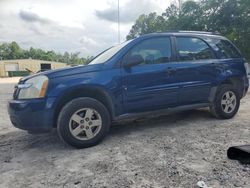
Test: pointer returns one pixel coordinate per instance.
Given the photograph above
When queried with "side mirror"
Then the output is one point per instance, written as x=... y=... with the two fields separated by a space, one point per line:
x=133 y=60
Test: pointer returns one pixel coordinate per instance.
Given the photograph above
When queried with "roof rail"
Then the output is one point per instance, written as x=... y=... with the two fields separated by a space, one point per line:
x=201 y=32
x=179 y=31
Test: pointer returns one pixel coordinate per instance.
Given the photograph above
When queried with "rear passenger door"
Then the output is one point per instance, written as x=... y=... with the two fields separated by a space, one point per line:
x=196 y=72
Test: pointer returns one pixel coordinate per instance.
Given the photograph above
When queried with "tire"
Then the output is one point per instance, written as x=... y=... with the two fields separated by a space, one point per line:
x=89 y=116
x=223 y=108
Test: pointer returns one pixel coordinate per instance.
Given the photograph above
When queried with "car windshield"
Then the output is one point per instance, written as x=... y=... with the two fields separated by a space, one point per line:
x=107 y=54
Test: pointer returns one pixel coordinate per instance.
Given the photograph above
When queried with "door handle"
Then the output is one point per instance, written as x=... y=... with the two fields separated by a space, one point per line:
x=170 y=70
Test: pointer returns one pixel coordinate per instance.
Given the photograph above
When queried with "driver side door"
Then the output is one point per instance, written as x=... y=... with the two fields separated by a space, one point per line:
x=151 y=84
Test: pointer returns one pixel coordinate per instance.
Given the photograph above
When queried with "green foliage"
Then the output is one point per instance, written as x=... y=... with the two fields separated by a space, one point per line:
x=231 y=18
x=13 y=51
x=146 y=24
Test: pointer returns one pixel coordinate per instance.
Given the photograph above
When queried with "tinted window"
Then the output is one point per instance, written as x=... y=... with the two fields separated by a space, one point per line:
x=226 y=49
x=193 y=49
x=152 y=51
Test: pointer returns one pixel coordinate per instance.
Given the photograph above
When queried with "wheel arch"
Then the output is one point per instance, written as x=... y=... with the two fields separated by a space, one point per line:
x=235 y=81
x=87 y=91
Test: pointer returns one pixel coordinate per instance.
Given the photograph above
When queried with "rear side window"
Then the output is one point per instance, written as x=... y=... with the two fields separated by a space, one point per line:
x=226 y=50
x=190 y=49
x=153 y=51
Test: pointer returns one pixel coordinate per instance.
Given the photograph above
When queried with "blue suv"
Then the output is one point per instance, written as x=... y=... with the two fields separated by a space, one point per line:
x=154 y=74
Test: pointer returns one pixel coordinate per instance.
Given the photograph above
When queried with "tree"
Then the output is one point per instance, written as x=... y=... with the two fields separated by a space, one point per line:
x=146 y=24
x=13 y=51
x=229 y=17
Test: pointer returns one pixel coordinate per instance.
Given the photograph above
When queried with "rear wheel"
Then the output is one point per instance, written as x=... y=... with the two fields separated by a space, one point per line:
x=226 y=103
x=83 y=122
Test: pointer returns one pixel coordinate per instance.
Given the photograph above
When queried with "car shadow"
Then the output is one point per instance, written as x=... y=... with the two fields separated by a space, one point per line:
x=22 y=141
x=161 y=121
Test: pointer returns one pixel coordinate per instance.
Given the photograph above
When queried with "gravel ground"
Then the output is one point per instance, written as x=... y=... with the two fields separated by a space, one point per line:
x=171 y=151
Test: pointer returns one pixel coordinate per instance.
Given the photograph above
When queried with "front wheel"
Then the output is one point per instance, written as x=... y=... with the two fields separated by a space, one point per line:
x=226 y=103
x=83 y=122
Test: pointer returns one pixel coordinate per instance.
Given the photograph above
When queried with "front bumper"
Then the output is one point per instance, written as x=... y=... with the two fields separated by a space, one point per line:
x=246 y=86
x=33 y=114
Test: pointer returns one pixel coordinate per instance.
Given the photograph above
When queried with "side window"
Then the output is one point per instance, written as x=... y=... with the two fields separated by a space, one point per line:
x=226 y=49
x=152 y=51
x=190 y=49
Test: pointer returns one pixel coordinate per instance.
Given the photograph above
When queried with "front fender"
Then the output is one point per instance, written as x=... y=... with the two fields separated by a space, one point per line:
x=106 y=83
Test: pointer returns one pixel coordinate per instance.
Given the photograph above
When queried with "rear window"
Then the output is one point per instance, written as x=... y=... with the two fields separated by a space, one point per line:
x=226 y=50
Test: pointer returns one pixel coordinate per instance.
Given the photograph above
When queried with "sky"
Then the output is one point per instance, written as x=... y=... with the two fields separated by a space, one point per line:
x=85 y=26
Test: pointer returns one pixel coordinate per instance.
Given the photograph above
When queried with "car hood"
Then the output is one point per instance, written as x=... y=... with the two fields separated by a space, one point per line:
x=67 y=71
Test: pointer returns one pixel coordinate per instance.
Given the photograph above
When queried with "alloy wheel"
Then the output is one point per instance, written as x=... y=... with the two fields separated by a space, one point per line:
x=228 y=102
x=85 y=124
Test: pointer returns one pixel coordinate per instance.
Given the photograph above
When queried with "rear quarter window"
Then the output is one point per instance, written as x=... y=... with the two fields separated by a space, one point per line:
x=225 y=49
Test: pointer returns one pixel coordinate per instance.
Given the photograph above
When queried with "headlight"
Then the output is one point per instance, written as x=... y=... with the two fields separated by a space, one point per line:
x=33 y=88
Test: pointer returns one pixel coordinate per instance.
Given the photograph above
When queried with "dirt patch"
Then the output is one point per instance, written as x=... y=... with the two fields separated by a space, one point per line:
x=171 y=151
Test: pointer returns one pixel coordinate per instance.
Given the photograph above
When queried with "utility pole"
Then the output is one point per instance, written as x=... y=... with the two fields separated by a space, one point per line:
x=118 y=19
x=180 y=6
